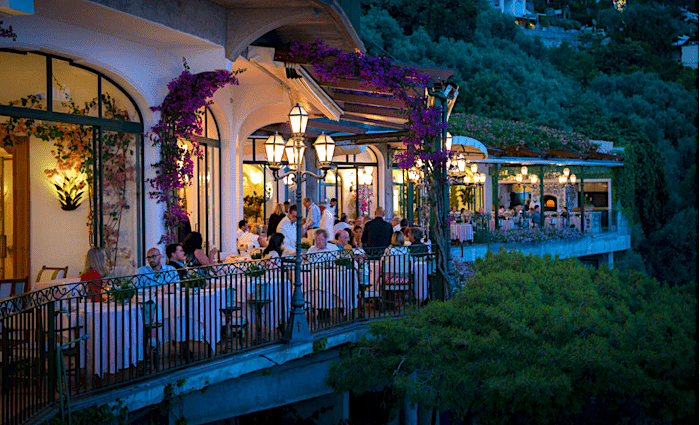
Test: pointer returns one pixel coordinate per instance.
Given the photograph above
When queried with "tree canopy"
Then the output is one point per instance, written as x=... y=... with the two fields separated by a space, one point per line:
x=539 y=340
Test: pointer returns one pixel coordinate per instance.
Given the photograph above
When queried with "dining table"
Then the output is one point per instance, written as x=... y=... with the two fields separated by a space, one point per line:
x=69 y=282
x=115 y=333
x=461 y=232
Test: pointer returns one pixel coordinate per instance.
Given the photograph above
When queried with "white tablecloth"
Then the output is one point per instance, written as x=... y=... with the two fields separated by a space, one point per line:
x=462 y=232
x=335 y=287
x=115 y=335
x=420 y=278
x=49 y=283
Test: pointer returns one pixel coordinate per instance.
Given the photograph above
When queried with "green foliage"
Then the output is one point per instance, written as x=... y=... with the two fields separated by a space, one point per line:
x=103 y=414
x=675 y=263
x=539 y=340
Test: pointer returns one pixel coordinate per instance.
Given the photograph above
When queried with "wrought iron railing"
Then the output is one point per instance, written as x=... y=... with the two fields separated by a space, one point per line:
x=73 y=339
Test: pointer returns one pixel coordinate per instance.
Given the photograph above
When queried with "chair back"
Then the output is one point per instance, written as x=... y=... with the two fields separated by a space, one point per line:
x=51 y=273
x=231 y=297
x=13 y=287
x=148 y=308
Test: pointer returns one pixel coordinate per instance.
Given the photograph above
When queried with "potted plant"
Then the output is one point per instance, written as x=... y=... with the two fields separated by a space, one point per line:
x=122 y=290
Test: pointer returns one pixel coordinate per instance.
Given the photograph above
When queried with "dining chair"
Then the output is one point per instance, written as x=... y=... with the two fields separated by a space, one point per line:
x=23 y=352
x=51 y=273
x=150 y=311
x=67 y=328
x=13 y=287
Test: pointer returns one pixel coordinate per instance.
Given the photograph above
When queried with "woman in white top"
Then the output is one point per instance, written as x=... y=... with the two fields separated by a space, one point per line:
x=397 y=257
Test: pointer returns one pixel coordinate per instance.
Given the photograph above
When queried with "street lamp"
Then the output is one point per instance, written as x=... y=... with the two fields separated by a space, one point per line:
x=564 y=180
x=298 y=327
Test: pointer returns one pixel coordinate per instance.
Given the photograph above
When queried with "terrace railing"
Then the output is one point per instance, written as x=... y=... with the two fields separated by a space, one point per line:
x=74 y=339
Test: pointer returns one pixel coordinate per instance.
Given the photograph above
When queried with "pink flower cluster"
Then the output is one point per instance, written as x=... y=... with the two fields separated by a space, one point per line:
x=182 y=113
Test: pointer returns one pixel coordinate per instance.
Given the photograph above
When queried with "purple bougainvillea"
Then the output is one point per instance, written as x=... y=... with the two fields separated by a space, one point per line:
x=181 y=117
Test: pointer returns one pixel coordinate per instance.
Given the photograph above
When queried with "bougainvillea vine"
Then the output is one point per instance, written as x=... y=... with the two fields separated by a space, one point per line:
x=182 y=113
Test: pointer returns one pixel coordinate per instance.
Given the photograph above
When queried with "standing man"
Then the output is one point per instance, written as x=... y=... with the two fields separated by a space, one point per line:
x=288 y=228
x=313 y=216
x=155 y=273
x=334 y=207
x=377 y=233
x=176 y=258
x=327 y=219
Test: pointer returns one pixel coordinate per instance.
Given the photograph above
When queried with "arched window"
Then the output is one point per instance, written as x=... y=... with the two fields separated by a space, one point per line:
x=68 y=130
x=203 y=196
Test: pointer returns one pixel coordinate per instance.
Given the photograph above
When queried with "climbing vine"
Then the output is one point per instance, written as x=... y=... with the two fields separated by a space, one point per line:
x=182 y=113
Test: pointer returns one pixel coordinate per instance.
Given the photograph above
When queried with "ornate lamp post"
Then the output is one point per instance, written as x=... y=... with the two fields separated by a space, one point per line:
x=298 y=327
x=565 y=180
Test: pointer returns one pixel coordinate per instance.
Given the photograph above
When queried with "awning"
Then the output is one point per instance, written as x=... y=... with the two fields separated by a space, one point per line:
x=471 y=148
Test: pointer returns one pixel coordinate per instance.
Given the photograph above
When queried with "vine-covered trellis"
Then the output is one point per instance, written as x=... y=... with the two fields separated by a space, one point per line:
x=181 y=117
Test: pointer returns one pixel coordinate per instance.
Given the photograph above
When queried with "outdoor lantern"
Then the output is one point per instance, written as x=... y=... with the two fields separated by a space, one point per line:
x=368 y=170
x=298 y=117
x=448 y=141
x=566 y=172
x=533 y=178
x=573 y=178
x=461 y=164
x=413 y=174
x=295 y=152
x=289 y=180
x=519 y=178
x=523 y=170
x=562 y=179
x=467 y=179
x=324 y=149
x=474 y=168
x=274 y=148
x=482 y=178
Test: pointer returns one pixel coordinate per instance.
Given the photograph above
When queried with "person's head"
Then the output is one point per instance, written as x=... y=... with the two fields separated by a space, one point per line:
x=153 y=256
x=322 y=206
x=321 y=238
x=453 y=208
x=403 y=223
x=518 y=208
x=279 y=209
x=286 y=206
x=306 y=202
x=351 y=235
x=256 y=230
x=379 y=212
x=415 y=235
x=359 y=221
x=537 y=208
x=481 y=210
x=192 y=242
x=463 y=211
x=243 y=225
x=292 y=214
x=342 y=237
x=358 y=232
x=343 y=217
x=96 y=259
x=334 y=202
x=174 y=252
x=395 y=221
x=275 y=244
x=397 y=239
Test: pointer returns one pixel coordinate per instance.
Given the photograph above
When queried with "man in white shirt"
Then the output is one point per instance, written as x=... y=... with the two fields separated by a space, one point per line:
x=155 y=273
x=334 y=207
x=327 y=219
x=321 y=245
x=342 y=224
x=242 y=228
x=288 y=228
x=313 y=217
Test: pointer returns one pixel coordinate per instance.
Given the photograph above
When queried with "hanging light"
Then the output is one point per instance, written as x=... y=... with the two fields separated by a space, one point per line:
x=533 y=178
x=573 y=178
x=274 y=148
x=523 y=170
x=474 y=168
x=368 y=170
x=325 y=146
x=295 y=152
x=461 y=164
x=482 y=178
x=562 y=179
x=467 y=179
x=448 y=141
x=519 y=178
x=289 y=180
x=298 y=118
x=566 y=172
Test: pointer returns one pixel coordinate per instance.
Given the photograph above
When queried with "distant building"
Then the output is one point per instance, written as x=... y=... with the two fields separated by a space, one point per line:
x=686 y=51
